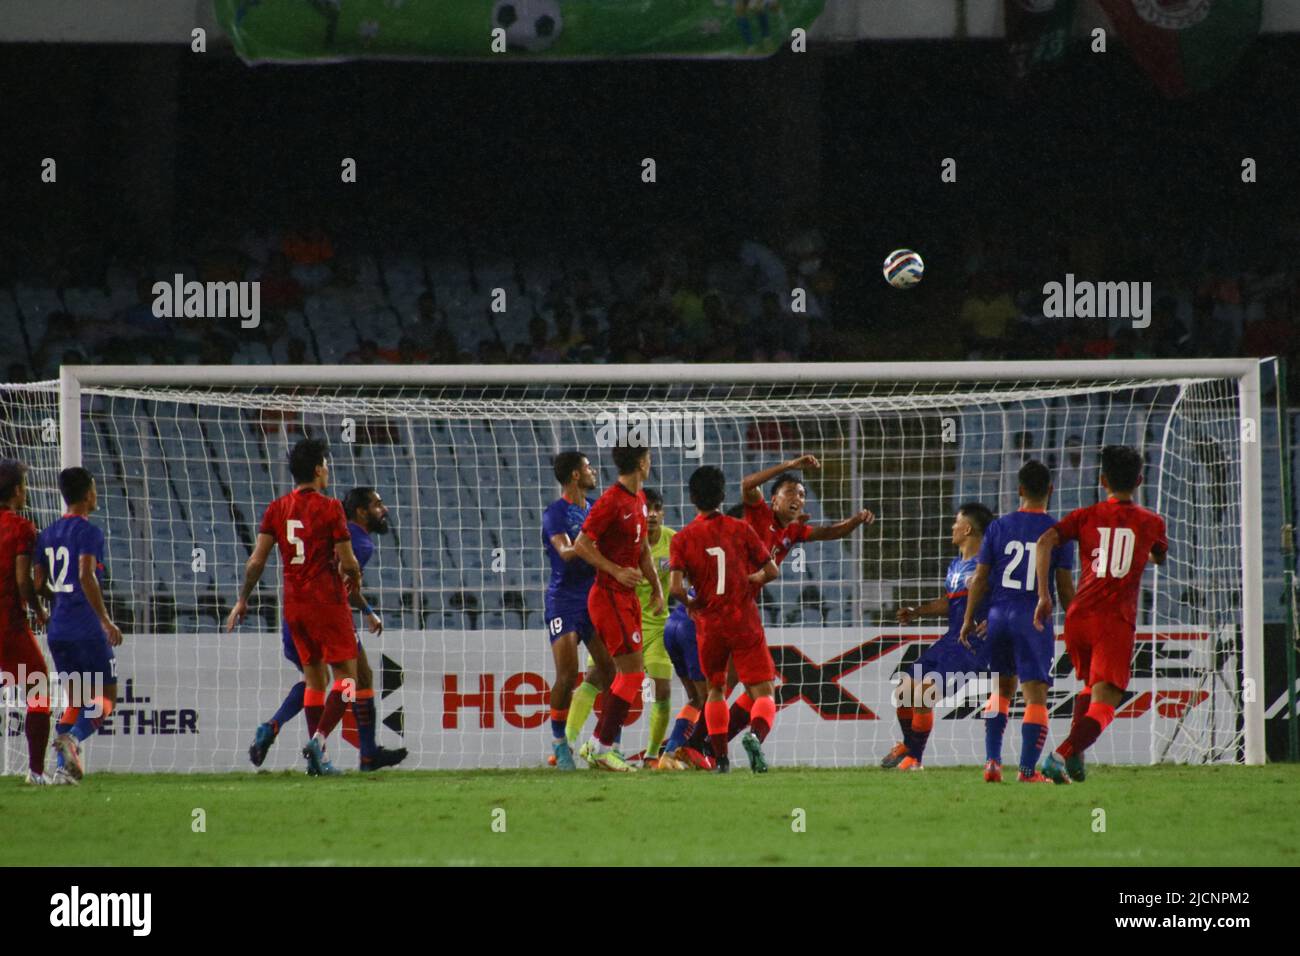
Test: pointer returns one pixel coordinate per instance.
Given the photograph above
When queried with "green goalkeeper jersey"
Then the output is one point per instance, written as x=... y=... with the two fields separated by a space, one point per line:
x=659 y=553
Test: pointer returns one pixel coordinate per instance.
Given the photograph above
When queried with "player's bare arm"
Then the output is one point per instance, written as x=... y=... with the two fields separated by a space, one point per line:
x=587 y=550
x=906 y=615
x=1050 y=540
x=977 y=592
x=42 y=583
x=349 y=566
x=751 y=485
x=95 y=597
x=28 y=590
x=563 y=546
x=1158 y=555
x=842 y=529
x=373 y=620
x=766 y=574
x=252 y=574
x=1064 y=587
x=648 y=569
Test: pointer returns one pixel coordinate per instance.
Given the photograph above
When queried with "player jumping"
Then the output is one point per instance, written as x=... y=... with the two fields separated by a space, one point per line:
x=19 y=652
x=1101 y=621
x=315 y=545
x=947 y=657
x=614 y=541
x=1017 y=650
x=727 y=563
x=367 y=516
x=70 y=560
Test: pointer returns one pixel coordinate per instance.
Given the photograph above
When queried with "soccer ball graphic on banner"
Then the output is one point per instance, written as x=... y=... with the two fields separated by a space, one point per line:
x=531 y=25
x=903 y=268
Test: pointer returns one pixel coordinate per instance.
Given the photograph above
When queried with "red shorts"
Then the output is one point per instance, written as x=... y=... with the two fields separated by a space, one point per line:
x=1101 y=648
x=616 y=618
x=321 y=632
x=19 y=651
x=747 y=651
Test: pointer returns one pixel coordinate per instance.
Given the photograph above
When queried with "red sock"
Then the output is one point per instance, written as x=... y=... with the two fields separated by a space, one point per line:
x=617 y=703
x=905 y=720
x=762 y=716
x=1082 y=701
x=716 y=719
x=333 y=710
x=313 y=703
x=37 y=725
x=1087 y=729
x=739 y=716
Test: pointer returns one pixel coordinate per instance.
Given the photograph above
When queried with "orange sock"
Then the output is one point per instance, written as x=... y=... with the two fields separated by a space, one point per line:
x=762 y=715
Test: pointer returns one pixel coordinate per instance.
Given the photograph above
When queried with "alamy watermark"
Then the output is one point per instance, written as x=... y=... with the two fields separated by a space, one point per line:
x=652 y=429
x=60 y=689
x=209 y=300
x=1098 y=300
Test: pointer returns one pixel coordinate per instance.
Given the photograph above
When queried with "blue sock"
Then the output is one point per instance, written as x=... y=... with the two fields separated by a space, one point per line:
x=618 y=736
x=1032 y=738
x=290 y=707
x=364 y=711
x=746 y=31
x=557 y=728
x=994 y=728
x=86 y=727
x=678 y=737
x=764 y=25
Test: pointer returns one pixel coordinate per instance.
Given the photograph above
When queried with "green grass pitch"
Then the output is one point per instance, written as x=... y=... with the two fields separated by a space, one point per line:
x=1169 y=816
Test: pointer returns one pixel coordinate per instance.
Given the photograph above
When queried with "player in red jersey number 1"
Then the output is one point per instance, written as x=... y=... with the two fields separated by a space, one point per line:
x=1115 y=537
x=726 y=563
x=315 y=545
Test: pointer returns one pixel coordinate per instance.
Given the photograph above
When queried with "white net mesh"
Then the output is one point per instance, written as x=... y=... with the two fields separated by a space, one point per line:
x=463 y=667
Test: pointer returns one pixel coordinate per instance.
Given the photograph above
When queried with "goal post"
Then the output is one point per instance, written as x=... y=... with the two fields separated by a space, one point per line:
x=460 y=454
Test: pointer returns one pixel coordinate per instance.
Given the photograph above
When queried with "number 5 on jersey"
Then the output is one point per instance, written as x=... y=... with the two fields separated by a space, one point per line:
x=290 y=527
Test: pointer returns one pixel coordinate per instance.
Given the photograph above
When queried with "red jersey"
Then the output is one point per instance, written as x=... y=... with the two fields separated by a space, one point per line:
x=718 y=553
x=617 y=523
x=17 y=536
x=776 y=539
x=1115 y=538
x=306 y=525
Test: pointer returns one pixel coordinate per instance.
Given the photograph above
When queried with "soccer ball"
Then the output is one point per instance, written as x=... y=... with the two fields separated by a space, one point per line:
x=531 y=25
x=903 y=268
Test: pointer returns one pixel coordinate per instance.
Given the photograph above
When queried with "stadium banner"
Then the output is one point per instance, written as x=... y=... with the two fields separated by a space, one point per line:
x=465 y=699
x=1185 y=46
x=328 y=30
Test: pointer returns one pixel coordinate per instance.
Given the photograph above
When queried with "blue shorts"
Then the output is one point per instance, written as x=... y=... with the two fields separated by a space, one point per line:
x=1016 y=647
x=568 y=616
x=679 y=641
x=91 y=660
x=946 y=658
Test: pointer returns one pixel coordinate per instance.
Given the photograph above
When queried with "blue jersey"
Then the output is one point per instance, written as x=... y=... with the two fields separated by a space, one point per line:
x=1008 y=550
x=955 y=585
x=58 y=550
x=363 y=546
x=569 y=579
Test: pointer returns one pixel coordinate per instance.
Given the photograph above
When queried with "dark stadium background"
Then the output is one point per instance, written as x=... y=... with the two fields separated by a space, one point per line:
x=165 y=155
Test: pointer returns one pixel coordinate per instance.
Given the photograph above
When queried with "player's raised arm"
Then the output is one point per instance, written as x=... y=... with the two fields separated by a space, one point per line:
x=906 y=615
x=841 y=529
x=27 y=588
x=977 y=592
x=252 y=574
x=651 y=575
x=1049 y=541
x=751 y=485
x=95 y=597
x=587 y=550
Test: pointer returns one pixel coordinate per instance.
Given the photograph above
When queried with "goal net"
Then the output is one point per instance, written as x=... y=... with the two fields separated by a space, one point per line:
x=462 y=458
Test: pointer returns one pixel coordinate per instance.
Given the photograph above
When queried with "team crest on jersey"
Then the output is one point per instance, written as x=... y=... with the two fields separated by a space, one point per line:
x=1172 y=14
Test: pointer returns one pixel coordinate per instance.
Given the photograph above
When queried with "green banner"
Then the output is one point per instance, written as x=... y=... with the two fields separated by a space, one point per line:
x=277 y=30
